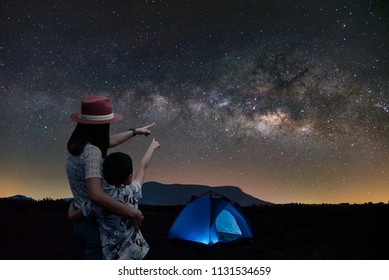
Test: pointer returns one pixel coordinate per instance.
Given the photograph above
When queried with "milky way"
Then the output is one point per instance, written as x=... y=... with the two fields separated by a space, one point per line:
x=288 y=101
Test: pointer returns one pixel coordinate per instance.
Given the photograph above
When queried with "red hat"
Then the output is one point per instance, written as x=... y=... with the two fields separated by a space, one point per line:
x=96 y=110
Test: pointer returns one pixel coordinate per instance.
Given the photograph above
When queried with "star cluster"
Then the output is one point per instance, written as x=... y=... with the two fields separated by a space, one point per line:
x=287 y=100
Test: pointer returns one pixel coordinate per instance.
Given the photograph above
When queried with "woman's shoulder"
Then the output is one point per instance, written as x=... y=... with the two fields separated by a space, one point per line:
x=91 y=150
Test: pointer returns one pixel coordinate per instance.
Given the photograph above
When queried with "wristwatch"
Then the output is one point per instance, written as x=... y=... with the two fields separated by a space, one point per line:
x=133 y=131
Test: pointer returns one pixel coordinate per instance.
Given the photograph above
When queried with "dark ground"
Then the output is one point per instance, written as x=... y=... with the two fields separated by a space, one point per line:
x=40 y=230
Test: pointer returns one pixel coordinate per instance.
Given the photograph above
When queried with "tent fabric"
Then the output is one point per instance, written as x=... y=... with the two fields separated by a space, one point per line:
x=210 y=220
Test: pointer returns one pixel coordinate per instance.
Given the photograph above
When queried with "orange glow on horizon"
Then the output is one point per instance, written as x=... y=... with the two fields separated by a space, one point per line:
x=267 y=190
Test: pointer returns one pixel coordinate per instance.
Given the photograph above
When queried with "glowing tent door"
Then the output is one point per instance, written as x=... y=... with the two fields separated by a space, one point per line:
x=227 y=228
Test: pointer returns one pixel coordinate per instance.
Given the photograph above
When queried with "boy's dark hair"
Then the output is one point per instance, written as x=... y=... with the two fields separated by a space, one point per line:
x=116 y=168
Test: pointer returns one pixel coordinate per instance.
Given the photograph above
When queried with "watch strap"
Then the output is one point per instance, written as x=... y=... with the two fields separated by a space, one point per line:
x=134 y=132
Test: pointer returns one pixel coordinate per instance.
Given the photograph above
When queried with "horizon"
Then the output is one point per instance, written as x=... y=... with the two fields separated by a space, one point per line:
x=162 y=205
x=199 y=185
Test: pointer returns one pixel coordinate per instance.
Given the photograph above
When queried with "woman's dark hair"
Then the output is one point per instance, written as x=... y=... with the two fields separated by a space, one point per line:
x=116 y=168
x=95 y=134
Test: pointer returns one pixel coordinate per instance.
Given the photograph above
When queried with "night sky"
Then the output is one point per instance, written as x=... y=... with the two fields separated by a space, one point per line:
x=289 y=100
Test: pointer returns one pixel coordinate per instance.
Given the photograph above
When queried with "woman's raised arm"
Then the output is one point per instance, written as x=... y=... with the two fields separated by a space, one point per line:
x=119 y=138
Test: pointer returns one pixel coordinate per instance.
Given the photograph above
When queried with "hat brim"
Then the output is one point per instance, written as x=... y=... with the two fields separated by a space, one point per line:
x=76 y=118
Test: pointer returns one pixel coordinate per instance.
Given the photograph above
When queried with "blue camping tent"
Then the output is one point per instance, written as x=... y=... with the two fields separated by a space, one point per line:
x=209 y=220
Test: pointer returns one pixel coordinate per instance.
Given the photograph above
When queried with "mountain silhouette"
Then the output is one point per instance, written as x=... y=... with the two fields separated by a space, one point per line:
x=155 y=193
x=178 y=194
x=20 y=197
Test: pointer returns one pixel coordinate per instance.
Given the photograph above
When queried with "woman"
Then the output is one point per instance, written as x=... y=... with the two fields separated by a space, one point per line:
x=86 y=147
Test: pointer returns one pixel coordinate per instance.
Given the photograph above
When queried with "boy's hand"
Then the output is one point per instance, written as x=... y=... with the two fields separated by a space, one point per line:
x=145 y=130
x=155 y=144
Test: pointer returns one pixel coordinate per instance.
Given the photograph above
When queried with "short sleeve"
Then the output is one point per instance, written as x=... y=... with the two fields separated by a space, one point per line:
x=93 y=162
x=136 y=189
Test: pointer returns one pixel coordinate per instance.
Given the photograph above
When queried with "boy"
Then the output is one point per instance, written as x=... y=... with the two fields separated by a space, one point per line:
x=119 y=238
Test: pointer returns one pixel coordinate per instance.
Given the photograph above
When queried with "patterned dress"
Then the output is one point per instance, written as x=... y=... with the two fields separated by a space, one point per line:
x=119 y=238
x=79 y=168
